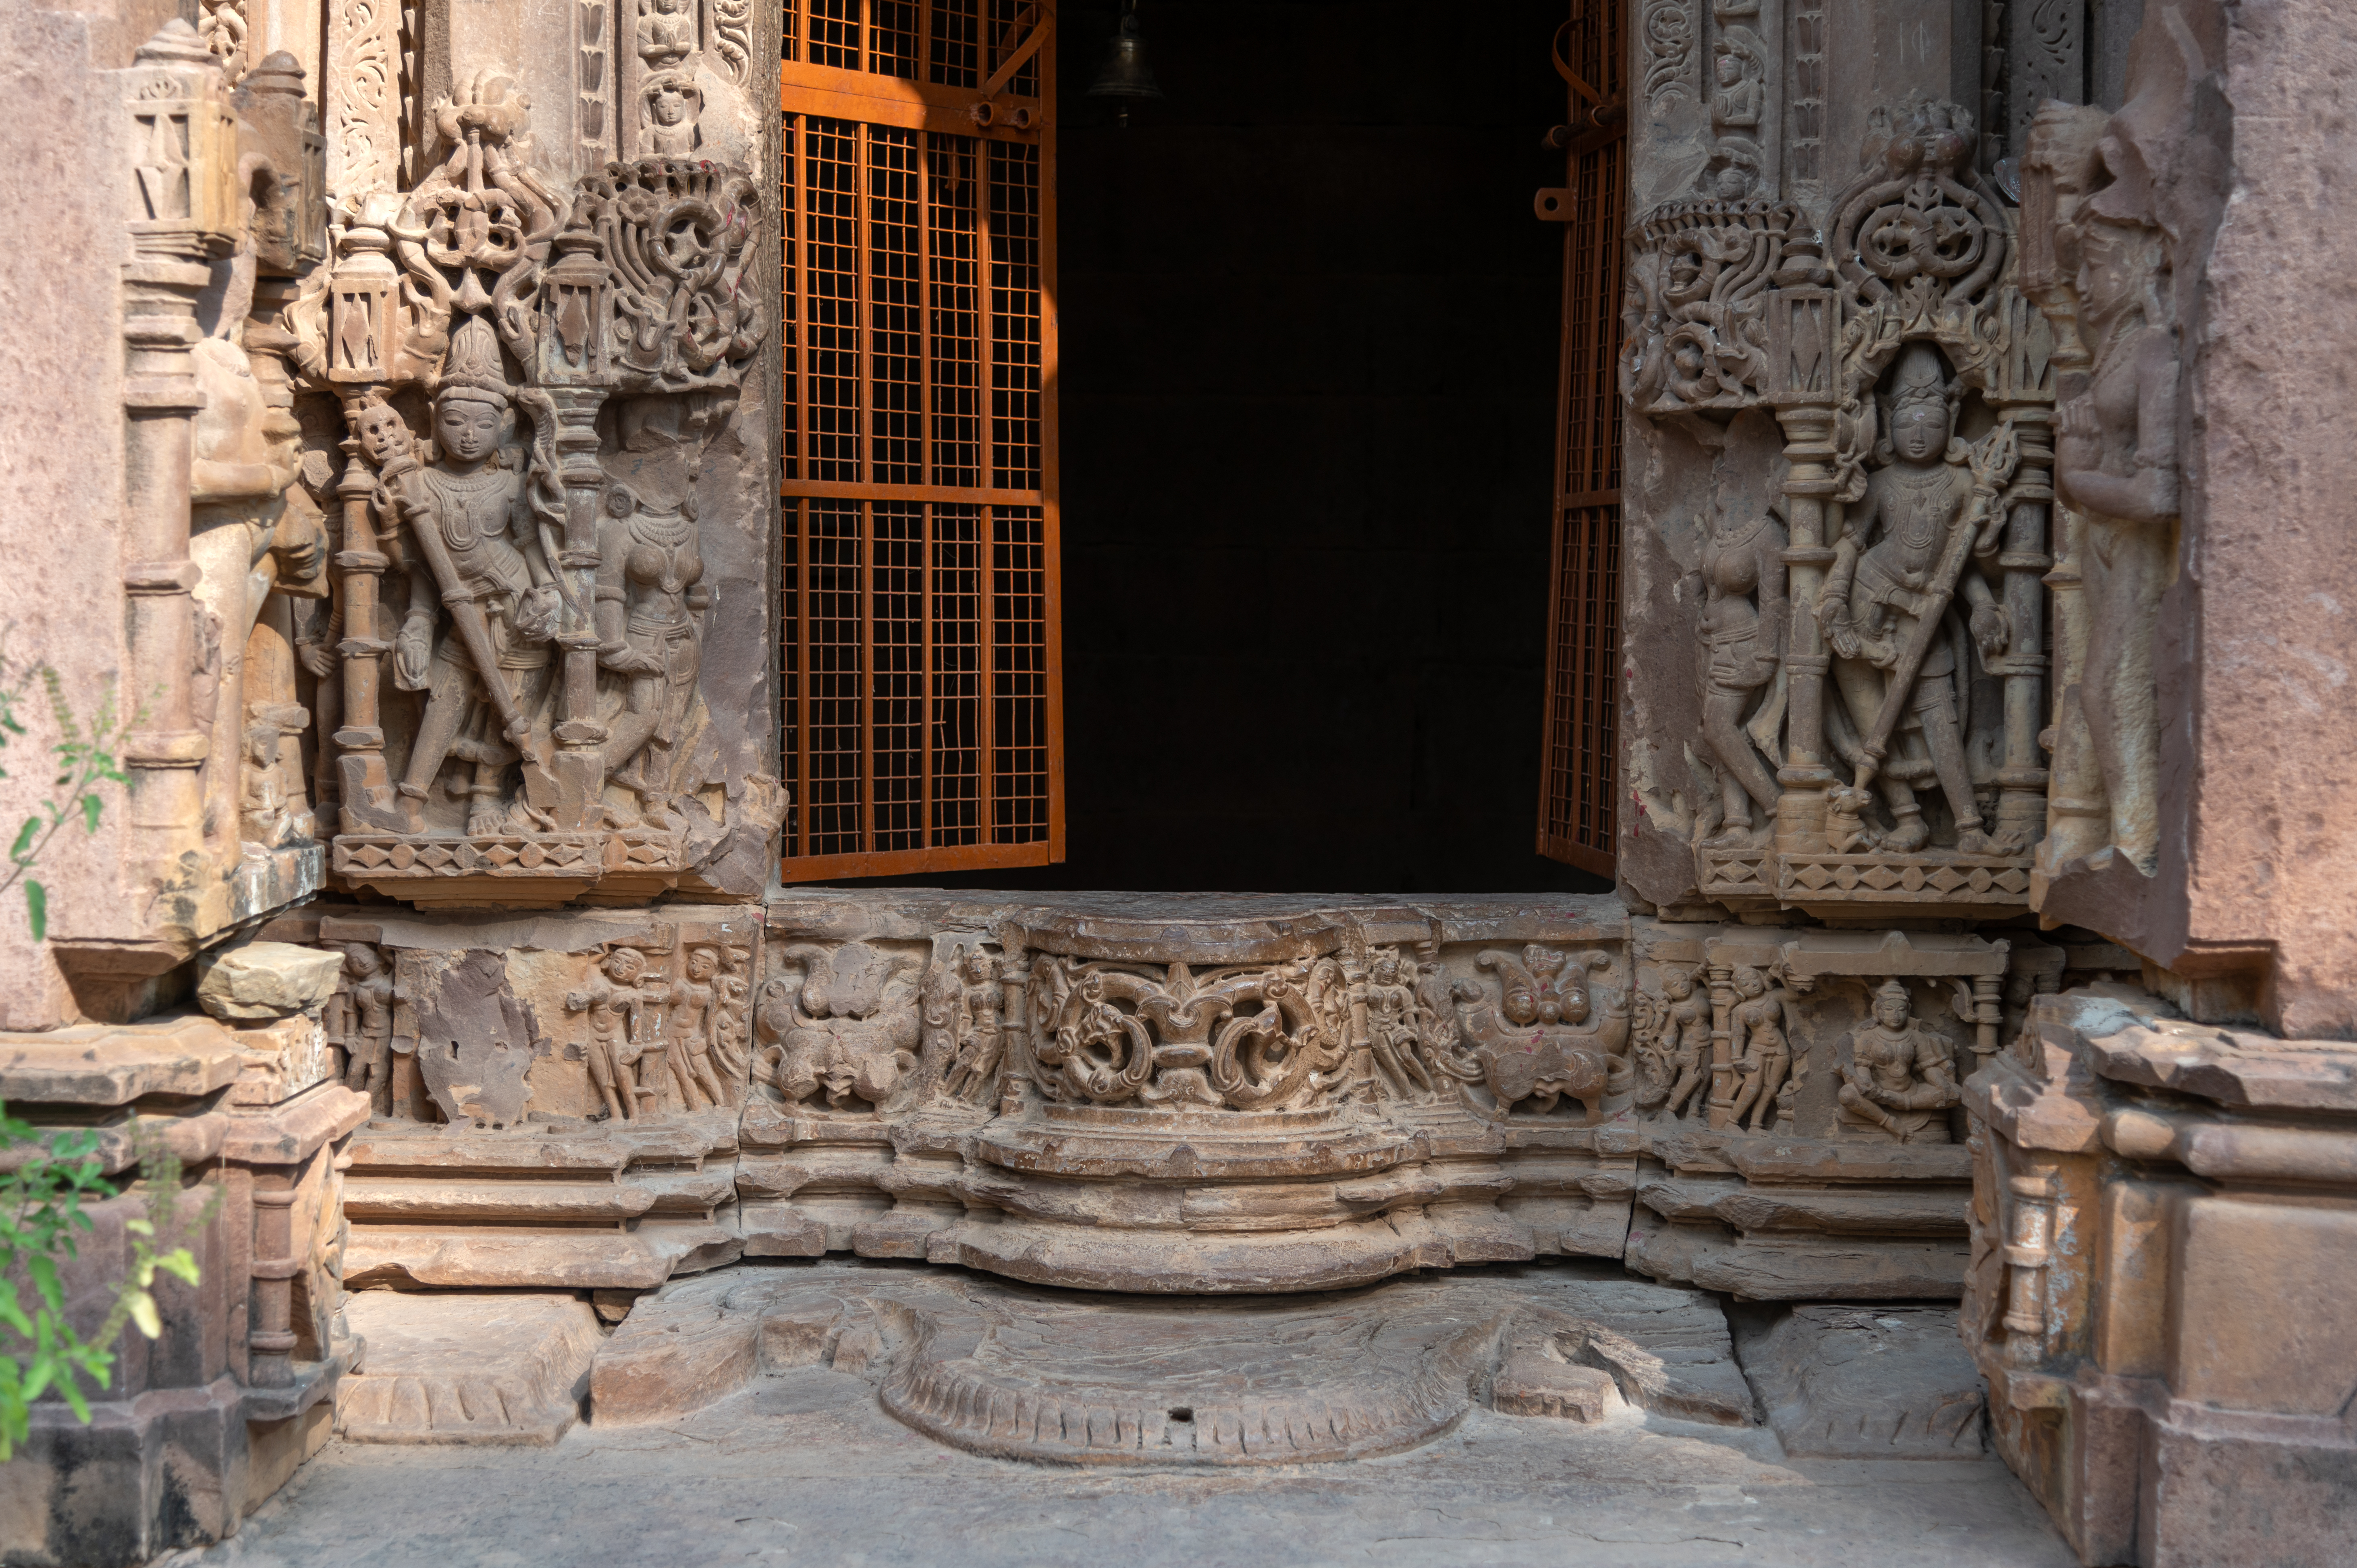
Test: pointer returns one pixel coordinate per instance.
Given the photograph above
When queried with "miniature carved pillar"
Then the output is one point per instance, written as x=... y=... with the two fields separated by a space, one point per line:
x=364 y=317
x=1989 y=1014
x=2028 y=1250
x=365 y=784
x=183 y=211
x=1015 y=1055
x=166 y=748
x=579 y=763
x=2021 y=390
x=1720 y=1111
x=275 y=1264
x=1802 y=330
x=575 y=366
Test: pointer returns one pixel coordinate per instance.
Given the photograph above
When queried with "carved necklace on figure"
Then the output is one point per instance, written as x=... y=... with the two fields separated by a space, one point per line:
x=1920 y=506
x=458 y=496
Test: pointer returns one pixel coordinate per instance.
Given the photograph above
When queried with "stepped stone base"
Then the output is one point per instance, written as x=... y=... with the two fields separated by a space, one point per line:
x=1018 y=1373
x=450 y=1368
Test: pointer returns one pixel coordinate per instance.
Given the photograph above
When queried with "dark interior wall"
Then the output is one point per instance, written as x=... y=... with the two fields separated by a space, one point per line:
x=1310 y=339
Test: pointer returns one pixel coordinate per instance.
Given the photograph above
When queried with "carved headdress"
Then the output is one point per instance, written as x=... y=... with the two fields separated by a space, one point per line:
x=1920 y=380
x=471 y=369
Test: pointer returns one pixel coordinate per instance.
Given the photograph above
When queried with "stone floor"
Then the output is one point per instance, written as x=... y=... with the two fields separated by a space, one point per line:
x=803 y=1465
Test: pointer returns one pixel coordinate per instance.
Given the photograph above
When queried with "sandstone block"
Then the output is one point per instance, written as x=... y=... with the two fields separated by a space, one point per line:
x=262 y=980
x=1843 y=1382
x=468 y=1367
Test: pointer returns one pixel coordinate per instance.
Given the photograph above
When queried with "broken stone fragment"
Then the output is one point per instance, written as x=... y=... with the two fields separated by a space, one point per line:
x=262 y=980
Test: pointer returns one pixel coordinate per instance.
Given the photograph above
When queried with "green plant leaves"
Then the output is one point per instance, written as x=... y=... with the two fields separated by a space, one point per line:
x=36 y=909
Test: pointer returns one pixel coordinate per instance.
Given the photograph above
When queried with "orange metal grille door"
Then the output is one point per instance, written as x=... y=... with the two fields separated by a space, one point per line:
x=1580 y=771
x=922 y=705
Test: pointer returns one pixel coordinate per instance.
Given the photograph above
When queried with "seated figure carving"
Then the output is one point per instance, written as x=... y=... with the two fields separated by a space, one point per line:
x=1899 y=1078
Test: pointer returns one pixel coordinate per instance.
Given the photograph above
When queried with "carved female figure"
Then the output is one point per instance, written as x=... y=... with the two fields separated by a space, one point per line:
x=360 y=1019
x=1763 y=1051
x=1685 y=1038
x=479 y=557
x=651 y=599
x=1881 y=591
x=2115 y=459
x=1392 y=1032
x=613 y=999
x=1743 y=627
x=692 y=1012
x=982 y=1031
x=1901 y=1077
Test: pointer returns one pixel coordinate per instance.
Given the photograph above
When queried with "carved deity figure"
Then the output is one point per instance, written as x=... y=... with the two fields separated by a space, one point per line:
x=1742 y=90
x=2116 y=460
x=614 y=999
x=359 y=1020
x=1685 y=1040
x=479 y=557
x=1900 y=1077
x=1900 y=567
x=1743 y=627
x=666 y=32
x=673 y=105
x=981 y=1030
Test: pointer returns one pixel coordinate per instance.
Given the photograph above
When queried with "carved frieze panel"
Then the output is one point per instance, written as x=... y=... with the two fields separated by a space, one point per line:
x=615 y=1020
x=1871 y=598
x=535 y=381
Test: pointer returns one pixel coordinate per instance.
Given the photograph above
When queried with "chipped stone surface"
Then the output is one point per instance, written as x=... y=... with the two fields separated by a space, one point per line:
x=262 y=980
x=1085 y=1379
x=1877 y=1382
x=468 y=1367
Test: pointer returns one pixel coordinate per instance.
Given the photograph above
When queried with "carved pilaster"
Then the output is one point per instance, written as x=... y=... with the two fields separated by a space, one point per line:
x=369 y=88
x=182 y=212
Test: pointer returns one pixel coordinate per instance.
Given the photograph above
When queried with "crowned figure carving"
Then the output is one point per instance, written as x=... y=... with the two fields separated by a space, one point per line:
x=577 y=354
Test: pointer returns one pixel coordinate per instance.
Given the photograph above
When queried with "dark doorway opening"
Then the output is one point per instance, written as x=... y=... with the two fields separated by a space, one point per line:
x=1310 y=339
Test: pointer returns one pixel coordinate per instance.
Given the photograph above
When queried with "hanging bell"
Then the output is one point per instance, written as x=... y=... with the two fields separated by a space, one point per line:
x=1126 y=75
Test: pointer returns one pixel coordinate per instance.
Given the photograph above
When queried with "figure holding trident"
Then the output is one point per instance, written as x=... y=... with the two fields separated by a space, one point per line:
x=1900 y=656
x=479 y=557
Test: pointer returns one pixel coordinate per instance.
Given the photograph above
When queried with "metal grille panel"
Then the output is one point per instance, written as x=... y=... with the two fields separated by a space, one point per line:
x=921 y=704
x=1581 y=777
